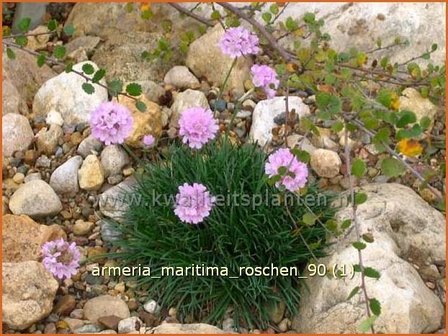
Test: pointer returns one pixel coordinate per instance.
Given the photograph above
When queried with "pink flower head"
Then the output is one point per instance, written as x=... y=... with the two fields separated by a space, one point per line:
x=239 y=42
x=111 y=123
x=61 y=258
x=265 y=77
x=197 y=126
x=149 y=140
x=296 y=174
x=193 y=203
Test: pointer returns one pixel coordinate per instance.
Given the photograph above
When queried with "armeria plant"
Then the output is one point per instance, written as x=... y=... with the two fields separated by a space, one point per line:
x=193 y=225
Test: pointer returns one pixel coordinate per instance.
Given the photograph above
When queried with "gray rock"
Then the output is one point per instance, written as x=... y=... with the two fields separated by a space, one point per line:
x=108 y=232
x=64 y=94
x=403 y=227
x=265 y=113
x=325 y=163
x=115 y=201
x=48 y=139
x=184 y=100
x=151 y=90
x=64 y=180
x=28 y=293
x=16 y=133
x=36 y=199
x=113 y=159
x=151 y=307
x=181 y=77
x=88 y=329
x=129 y=324
x=205 y=59
x=105 y=305
x=11 y=99
x=85 y=43
x=195 y=328
x=89 y=145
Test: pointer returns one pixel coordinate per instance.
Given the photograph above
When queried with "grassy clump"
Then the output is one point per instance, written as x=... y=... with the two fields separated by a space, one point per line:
x=233 y=236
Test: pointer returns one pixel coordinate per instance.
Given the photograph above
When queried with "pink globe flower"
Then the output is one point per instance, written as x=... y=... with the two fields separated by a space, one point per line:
x=111 y=123
x=193 y=203
x=296 y=172
x=61 y=258
x=265 y=77
x=149 y=140
x=239 y=42
x=197 y=126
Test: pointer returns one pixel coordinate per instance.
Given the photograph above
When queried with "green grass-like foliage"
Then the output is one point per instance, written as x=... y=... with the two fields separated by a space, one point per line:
x=232 y=236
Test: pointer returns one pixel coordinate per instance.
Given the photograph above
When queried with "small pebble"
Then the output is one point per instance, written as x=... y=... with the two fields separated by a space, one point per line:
x=151 y=307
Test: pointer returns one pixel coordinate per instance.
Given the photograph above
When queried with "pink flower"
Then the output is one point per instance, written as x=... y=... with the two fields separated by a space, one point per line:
x=149 y=140
x=61 y=258
x=296 y=171
x=193 y=203
x=239 y=42
x=111 y=123
x=265 y=77
x=197 y=126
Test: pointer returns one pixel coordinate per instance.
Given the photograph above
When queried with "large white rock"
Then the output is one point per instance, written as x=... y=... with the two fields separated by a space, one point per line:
x=28 y=293
x=35 y=199
x=403 y=226
x=65 y=95
x=115 y=201
x=266 y=111
x=16 y=133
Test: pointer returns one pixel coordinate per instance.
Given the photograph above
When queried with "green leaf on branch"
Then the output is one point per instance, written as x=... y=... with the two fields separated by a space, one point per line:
x=367 y=324
x=425 y=122
x=360 y=198
x=346 y=224
x=291 y=24
x=69 y=67
x=405 y=118
x=359 y=245
x=69 y=30
x=52 y=25
x=115 y=87
x=371 y=273
x=10 y=53
x=353 y=292
x=59 y=52
x=24 y=24
x=282 y=170
x=274 y=9
x=337 y=126
x=413 y=132
x=301 y=155
x=41 y=60
x=141 y=106
x=134 y=89
x=88 y=69
x=266 y=16
x=329 y=103
x=309 y=218
x=21 y=40
x=359 y=168
x=375 y=306
x=368 y=237
x=392 y=167
x=88 y=88
x=216 y=15
x=99 y=75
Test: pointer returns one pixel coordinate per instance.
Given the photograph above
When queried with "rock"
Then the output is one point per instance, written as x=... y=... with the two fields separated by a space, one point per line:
x=48 y=139
x=91 y=173
x=64 y=94
x=87 y=329
x=113 y=159
x=11 y=99
x=266 y=111
x=284 y=325
x=84 y=44
x=73 y=323
x=105 y=305
x=64 y=179
x=151 y=90
x=195 y=328
x=113 y=202
x=411 y=100
x=110 y=322
x=108 y=331
x=54 y=117
x=28 y=293
x=206 y=60
x=181 y=77
x=65 y=305
x=148 y=122
x=108 y=232
x=404 y=227
x=184 y=100
x=325 y=163
x=129 y=324
x=43 y=161
x=82 y=228
x=40 y=39
x=276 y=312
x=22 y=238
x=24 y=74
x=18 y=178
x=323 y=140
x=17 y=134
x=89 y=145
x=36 y=199
x=151 y=307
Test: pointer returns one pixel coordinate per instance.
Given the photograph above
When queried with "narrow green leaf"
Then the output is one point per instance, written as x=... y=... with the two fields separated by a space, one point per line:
x=353 y=292
x=99 y=75
x=368 y=237
x=371 y=273
x=10 y=53
x=346 y=224
x=375 y=306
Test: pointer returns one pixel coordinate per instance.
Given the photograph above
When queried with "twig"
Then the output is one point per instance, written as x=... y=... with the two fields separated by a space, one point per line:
x=53 y=61
x=280 y=12
x=286 y=110
x=390 y=46
x=191 y=14
x=271 y=40
x=356 y=224
x=27 y=35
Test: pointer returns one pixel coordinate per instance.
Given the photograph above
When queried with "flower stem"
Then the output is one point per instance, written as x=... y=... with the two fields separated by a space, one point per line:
x=224 y=84
x=132 y=154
